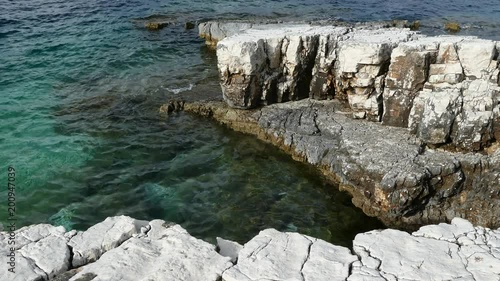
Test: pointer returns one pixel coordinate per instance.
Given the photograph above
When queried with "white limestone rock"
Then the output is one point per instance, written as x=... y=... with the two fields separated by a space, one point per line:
x=166 y=252
x=269 y=63
x=214 y=31
x=451 y=73
x=89 y=245
x=446 y=232
x=476 y=57
x=274 y=255
x=435 y=252
x=40 y=253
x=50 y=254
x=363 y=57
x=398 y=255
x=429 y=61
x=433 y=114
x=473 y=127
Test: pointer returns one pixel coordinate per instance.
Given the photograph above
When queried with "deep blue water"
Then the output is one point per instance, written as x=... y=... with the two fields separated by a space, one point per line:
x=80 y=87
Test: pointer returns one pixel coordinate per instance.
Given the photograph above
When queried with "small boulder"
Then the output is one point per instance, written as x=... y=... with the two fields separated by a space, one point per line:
x=452 y=27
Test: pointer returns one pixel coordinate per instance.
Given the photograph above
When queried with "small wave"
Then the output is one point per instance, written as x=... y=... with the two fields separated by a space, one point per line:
x=181 y=89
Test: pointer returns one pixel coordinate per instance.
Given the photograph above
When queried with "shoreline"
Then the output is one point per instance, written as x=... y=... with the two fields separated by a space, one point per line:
x=407 y=124
x=123 y=248
x=343 y=159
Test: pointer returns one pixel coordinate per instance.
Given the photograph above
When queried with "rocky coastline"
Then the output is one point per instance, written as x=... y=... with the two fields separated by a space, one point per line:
x=123 y=248
x=407 y=124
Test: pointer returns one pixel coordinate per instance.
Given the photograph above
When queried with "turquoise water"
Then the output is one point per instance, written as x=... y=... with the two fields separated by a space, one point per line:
x=80 y=87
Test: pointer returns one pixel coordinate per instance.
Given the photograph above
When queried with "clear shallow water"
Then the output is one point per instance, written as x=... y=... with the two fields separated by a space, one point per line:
x=80 y=85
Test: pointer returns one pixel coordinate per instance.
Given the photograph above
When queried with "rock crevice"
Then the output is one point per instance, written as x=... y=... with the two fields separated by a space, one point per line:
x=165 y=251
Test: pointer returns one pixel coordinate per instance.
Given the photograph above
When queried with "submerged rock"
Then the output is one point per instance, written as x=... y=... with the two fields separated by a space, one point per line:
x=452 y=27
x=389 y=172
x=165 y=251
x=269 y=65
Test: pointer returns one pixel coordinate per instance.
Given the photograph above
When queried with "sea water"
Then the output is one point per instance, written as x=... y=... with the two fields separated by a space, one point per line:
x=80 y=87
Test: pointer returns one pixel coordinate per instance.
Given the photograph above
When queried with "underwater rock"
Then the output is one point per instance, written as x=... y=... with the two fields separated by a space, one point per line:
x=389 y=172
x=189 y=25
x=172 y=106
x=452 y=27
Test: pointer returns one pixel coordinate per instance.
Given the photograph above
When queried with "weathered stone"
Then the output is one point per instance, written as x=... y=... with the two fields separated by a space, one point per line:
x=407 y=258
x=274 y=255
x=446 y=73
x=228 y=248
x=40 y=252
x=407 y=74
x=476 y=56
x=388 y=171
x=214 y=31
x=473 y=127
x=89 y=245
x=323 y=76
x=59 y=259
x=434 y=113
x=166 y=252
x=363 y=58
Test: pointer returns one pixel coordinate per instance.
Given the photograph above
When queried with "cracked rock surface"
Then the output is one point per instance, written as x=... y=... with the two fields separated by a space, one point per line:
x=119 y=248
x=437 y=252
x=389 y=172
x=165 y=251
x=444 y=89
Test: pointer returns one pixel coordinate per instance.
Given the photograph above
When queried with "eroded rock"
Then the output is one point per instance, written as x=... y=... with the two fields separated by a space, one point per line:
x=391 y=75
x=214 y=31
x=270 y=64
x=89 y=245
x=389 y=171
x=165 y=251
x=363 y=60
x=438 y=252
x=40 y=253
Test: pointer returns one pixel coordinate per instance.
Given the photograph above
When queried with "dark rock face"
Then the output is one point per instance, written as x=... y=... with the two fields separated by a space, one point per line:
x=390 y=172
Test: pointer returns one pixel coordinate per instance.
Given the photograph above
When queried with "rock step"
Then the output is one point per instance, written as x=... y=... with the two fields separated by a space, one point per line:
x=128 y=249
x=445 y=89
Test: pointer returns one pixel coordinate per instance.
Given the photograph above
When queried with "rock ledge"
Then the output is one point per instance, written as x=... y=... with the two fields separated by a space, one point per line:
x=122 y=248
